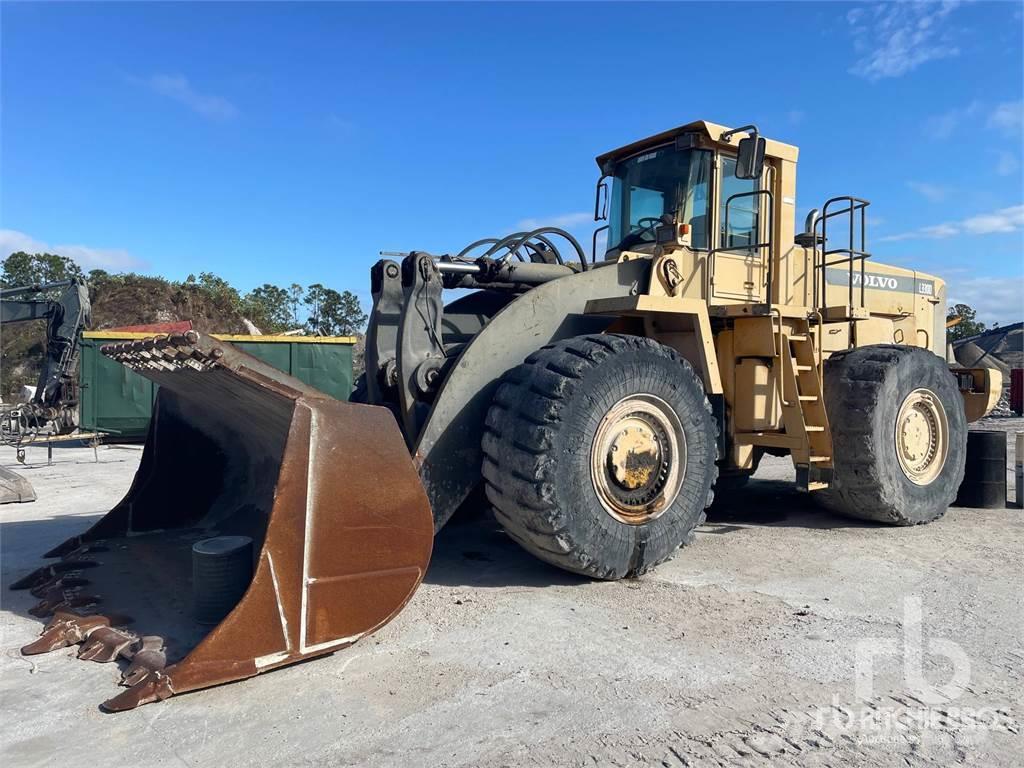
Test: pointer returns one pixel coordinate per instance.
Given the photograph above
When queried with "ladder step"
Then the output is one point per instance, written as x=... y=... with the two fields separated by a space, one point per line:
x=804 y=367
x=798 y=337
x=818 y=459
x=808 y=398
x=811 y=428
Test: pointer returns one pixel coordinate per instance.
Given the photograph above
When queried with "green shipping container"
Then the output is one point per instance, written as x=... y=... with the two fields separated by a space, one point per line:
x=118 y=401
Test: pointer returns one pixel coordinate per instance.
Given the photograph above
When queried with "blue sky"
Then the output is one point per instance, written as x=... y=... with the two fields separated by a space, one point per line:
x=290 y=143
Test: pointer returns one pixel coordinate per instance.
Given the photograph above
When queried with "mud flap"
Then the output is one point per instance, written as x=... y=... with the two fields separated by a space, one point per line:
x=340 y=525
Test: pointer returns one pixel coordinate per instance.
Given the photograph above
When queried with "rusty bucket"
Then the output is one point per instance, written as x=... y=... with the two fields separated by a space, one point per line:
x=326 y=491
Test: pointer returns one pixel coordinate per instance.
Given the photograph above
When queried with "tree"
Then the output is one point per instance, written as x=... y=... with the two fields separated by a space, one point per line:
x=216 y=290
x=314 y=299
x=333 y=313
x=295 y=293
x=967 y=326
x=349 y=318
x=269 y=307
x=22 y=268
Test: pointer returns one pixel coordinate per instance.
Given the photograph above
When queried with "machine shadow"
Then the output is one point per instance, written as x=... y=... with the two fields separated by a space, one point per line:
x=473 y=551
x=22 y=544
x=775 y=503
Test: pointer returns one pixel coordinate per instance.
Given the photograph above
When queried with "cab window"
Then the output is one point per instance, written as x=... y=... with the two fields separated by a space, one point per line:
x=655 y=183
x=742 y=232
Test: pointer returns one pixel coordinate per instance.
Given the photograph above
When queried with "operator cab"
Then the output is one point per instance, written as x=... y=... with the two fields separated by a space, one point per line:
x=670 y=180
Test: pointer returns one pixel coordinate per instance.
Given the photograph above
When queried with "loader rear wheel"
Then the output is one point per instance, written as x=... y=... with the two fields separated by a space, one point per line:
x=599 y=454
x=899 y=434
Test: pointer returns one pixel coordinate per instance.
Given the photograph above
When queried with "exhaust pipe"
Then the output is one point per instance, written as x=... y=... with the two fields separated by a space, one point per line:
x=246 y=472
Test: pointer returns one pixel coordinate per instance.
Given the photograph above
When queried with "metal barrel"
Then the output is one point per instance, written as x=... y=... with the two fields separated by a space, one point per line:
x=221 y=572
x=984 y=484
x=325 y=491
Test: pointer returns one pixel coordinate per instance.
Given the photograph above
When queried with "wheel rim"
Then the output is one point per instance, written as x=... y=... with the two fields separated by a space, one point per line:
x=922 y=440
x=638 y=459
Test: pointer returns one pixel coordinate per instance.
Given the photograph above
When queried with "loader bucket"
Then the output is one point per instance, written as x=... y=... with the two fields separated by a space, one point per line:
x=298 y=517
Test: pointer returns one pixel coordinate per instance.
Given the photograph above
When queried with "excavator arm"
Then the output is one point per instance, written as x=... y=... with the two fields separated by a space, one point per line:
x=66 y=317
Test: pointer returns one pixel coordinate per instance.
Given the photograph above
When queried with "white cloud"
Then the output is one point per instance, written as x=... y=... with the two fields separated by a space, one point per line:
x=1004 y=220
x=1008 y=117
x=87 y=257
x=892 y=39
x=177 y=87
x=945 y=125
x=996 y=299
x=936 y=193
x=562 y=221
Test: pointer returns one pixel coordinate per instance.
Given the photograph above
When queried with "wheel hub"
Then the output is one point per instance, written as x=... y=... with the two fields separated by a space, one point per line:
x=634 y=458
x=922 y=436
x=638 y=458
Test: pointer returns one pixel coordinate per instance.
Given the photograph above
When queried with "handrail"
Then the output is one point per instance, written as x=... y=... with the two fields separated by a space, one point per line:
x=778 y=378
x=593 y=245
x=851 y=253
x=821 y=345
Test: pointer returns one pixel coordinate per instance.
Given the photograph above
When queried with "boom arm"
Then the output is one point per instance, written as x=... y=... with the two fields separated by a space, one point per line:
x=65 y=318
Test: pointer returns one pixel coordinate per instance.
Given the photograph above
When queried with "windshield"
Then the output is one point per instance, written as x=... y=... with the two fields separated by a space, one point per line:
x=654 y=183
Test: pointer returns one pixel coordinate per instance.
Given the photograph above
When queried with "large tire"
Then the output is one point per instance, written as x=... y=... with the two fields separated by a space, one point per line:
x=573 y=401
x=881 y=439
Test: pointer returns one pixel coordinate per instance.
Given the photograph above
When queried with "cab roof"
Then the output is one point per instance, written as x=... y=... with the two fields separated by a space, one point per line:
x=711 y=130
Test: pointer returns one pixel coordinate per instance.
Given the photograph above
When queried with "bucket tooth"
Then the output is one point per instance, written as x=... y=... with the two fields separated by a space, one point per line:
x=147 y=656
x=105 y=644
x=40 y=576
x=69 y=580
x=153 y=686
x=58 y=599
x=63 y=630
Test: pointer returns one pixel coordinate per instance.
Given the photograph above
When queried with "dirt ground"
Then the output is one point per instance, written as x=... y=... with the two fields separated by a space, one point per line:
x=785 y=634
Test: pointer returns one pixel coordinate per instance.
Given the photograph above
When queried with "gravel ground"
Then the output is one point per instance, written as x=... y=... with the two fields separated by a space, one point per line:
x=741 y=651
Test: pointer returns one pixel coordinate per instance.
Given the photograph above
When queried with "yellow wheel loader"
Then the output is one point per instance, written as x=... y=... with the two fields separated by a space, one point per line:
x=598 y=401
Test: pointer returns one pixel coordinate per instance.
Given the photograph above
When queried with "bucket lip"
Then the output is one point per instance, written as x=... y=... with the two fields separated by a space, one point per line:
x=221 y=545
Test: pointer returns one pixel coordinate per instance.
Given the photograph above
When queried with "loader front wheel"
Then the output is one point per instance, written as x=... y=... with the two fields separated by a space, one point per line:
x=899 y=434
x=599 y=454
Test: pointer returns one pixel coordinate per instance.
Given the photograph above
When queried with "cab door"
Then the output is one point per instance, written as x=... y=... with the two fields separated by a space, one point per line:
x=739 y=266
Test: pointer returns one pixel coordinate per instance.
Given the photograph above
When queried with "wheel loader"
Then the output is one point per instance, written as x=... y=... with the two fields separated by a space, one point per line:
x=597 y=400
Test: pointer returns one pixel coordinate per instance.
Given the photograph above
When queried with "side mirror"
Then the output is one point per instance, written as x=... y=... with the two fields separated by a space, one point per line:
x=750 y=157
